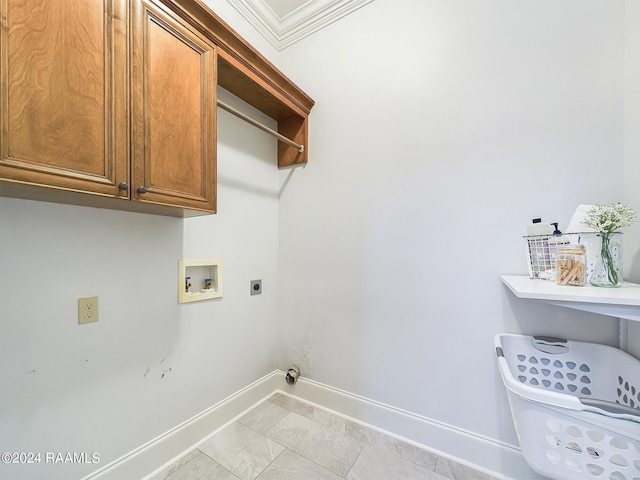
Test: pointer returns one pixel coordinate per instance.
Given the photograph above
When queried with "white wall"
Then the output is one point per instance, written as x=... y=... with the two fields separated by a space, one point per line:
x=148 y=364
x=440 y=129
x=632 y=151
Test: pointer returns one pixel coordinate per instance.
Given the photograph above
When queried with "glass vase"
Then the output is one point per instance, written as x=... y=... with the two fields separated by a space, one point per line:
x=607 y=271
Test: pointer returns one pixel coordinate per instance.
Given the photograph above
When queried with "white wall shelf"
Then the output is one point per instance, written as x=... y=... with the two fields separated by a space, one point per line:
x=197 y=271
x=622 y=302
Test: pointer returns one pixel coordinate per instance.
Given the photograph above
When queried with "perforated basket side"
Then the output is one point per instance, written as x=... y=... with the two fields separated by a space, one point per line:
x=567 y=445
x=574 y=375
x=512 y=350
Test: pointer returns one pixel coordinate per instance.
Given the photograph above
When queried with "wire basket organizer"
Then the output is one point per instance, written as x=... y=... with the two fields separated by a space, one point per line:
x=575 y=406
x=541 y=251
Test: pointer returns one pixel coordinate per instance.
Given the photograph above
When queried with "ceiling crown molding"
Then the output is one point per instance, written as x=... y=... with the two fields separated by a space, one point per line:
x=304 y=20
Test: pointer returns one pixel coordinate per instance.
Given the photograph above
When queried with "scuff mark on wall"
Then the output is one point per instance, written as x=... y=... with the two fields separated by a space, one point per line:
x=163 y=370
x=165 y=357
x=300 y=356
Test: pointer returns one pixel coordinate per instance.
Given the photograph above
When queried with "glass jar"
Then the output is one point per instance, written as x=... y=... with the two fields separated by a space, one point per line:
x=607 y=271
x=571 y=265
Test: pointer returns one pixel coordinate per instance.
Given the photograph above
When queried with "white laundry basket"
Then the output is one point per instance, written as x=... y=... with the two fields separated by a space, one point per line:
x=575 y=406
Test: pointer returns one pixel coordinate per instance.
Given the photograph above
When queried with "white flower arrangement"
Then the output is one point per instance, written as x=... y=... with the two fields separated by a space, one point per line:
x=609 y=218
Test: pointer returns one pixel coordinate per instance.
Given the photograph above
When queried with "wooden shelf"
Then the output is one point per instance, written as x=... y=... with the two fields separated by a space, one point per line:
x=246 y=73
x=622 y=302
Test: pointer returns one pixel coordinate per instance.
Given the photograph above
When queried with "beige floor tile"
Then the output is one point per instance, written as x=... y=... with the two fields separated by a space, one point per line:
x=241 y=450
x=199 y=467
x=405 y=450
x=320 y=415
x=163 y=475
x=263 y=416
x=332 y=450
x=376 y=464
x=456 y=471
x=319 y=446
x=291 y=466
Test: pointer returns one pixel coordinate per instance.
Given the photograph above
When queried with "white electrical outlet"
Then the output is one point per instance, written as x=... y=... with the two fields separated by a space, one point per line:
x=87 y=310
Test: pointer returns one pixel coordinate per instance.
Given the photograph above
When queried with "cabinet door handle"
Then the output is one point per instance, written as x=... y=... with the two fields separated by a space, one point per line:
x=142 y=190
x=123 y=186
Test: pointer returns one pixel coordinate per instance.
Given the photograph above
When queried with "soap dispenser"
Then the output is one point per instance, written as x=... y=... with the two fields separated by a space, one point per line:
x=539 y=228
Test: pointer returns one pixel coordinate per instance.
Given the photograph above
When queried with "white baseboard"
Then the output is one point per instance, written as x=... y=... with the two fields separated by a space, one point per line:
x=497 y=459
x=159 y=453
x=481 y=453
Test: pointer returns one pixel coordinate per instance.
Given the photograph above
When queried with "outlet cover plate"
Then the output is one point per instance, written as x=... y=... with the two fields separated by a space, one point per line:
x=87 y=310
x=256 y=287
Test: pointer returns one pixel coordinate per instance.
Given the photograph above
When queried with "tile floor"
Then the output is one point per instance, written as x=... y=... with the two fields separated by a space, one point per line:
x=284 y=438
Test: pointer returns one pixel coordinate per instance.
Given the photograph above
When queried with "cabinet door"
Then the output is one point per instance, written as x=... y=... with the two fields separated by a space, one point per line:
x=173 y=110
x=63 y=105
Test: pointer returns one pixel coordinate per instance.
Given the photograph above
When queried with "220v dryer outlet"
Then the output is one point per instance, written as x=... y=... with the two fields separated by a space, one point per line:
x=87 y=310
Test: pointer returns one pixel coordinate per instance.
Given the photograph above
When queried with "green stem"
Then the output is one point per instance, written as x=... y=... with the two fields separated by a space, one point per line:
x=607 y=259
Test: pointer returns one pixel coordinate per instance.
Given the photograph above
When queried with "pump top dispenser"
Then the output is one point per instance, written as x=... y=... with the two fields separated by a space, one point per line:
x=539 y=228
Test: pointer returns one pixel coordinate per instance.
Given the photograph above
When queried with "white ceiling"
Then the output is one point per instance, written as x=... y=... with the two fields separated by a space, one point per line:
x=284 y=22
x=282 y=8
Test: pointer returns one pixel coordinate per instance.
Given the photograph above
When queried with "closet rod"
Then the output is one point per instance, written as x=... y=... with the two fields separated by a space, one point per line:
x=262 y=127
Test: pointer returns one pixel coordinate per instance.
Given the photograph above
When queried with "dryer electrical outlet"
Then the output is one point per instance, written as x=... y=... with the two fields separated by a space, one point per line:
x=256 y=287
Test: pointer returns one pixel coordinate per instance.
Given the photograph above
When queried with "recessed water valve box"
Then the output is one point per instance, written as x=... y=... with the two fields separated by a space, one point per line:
x=199 y=280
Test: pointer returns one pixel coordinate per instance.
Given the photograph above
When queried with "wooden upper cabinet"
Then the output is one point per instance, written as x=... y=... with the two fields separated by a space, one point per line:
x=63 y=105
x=173 y=117
x=112 y=103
